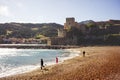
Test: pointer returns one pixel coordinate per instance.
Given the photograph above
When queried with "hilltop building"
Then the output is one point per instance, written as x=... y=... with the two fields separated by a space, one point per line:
x=70 y=22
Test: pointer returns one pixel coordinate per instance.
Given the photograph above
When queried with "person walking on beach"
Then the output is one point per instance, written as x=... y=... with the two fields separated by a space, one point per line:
x=83 y=53
x=56 y=59
x=42 y=63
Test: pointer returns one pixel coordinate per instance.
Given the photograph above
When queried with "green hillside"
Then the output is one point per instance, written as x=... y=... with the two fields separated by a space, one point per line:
x=28 y=30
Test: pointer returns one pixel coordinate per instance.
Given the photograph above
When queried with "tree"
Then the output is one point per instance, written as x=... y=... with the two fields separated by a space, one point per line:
x=38 y=36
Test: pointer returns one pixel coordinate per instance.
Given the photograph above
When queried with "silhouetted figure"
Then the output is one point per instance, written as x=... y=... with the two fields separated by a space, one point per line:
x=83 y=53
x=42 y=63
x=56 y=59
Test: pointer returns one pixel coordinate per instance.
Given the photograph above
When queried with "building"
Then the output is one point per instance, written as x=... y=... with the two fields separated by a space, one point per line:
x=88 y=32
x=63 y=38
x=114 y=21
x=70 y=22
x=56 y=41
x=61 y=33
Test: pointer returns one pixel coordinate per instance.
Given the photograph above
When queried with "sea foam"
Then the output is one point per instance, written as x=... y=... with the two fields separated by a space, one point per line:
x=19 y=68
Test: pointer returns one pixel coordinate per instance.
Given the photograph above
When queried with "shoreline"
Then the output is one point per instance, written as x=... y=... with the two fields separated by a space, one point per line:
x=100 y=63
x=26 y=69
x=36 y=46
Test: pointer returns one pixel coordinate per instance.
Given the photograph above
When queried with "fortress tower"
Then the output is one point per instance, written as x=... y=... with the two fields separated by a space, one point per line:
x=70 y=22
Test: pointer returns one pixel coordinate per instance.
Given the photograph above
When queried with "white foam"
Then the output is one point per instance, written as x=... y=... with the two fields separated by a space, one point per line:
x=6 y=51
x=72 y=53
x=19 y=70
x=69 y=53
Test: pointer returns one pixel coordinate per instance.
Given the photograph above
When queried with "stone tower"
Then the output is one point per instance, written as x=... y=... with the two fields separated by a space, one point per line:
x=70 y=22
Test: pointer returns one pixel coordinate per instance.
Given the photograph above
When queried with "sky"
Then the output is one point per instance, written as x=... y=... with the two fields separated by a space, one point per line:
x=56 y=11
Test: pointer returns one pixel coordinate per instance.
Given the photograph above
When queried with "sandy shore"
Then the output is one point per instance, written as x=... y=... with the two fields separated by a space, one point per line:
x=100 y=63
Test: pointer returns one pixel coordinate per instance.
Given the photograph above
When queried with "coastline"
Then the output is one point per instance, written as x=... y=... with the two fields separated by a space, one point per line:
x=100 y=63
x=36 y=46
x=67 y=54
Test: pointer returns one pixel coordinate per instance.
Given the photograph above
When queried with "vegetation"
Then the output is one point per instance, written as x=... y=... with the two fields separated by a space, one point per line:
x=90 y=25
x=28 y=30
x=38 y=36
x=113 y=39
x=89 y=32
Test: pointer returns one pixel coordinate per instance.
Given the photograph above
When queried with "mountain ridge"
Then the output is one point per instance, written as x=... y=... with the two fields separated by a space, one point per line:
x=27 y=30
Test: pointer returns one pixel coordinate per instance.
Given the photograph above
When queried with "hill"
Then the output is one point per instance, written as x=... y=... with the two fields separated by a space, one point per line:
x=28 y=30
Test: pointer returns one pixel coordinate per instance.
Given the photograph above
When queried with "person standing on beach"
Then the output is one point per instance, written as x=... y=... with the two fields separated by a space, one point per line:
x=83 y=53
x=56 y=59
x=42 y=63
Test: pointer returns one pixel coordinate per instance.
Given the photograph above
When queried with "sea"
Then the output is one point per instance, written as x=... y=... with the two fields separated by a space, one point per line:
x=17 y=61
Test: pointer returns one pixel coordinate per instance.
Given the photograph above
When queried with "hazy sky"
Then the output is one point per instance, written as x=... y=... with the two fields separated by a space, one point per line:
x=46 y=11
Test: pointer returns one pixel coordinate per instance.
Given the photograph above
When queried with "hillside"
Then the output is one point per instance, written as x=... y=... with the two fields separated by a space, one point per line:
x=28 y=30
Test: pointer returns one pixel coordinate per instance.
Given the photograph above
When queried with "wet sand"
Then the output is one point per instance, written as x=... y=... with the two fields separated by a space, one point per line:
x=100 y=63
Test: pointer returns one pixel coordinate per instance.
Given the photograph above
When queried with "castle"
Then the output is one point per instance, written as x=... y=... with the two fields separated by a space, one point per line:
x=75 y=33
x=63 y=34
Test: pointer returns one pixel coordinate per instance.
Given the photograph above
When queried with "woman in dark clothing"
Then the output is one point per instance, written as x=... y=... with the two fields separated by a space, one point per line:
x=42 y=63
x=83 y=53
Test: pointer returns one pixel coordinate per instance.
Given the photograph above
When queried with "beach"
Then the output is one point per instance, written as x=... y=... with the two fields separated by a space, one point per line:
x=99 y=63
x=17 y=61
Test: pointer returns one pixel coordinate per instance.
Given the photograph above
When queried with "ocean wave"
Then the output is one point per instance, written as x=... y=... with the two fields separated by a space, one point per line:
x=18 y=70
x=18 y=66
